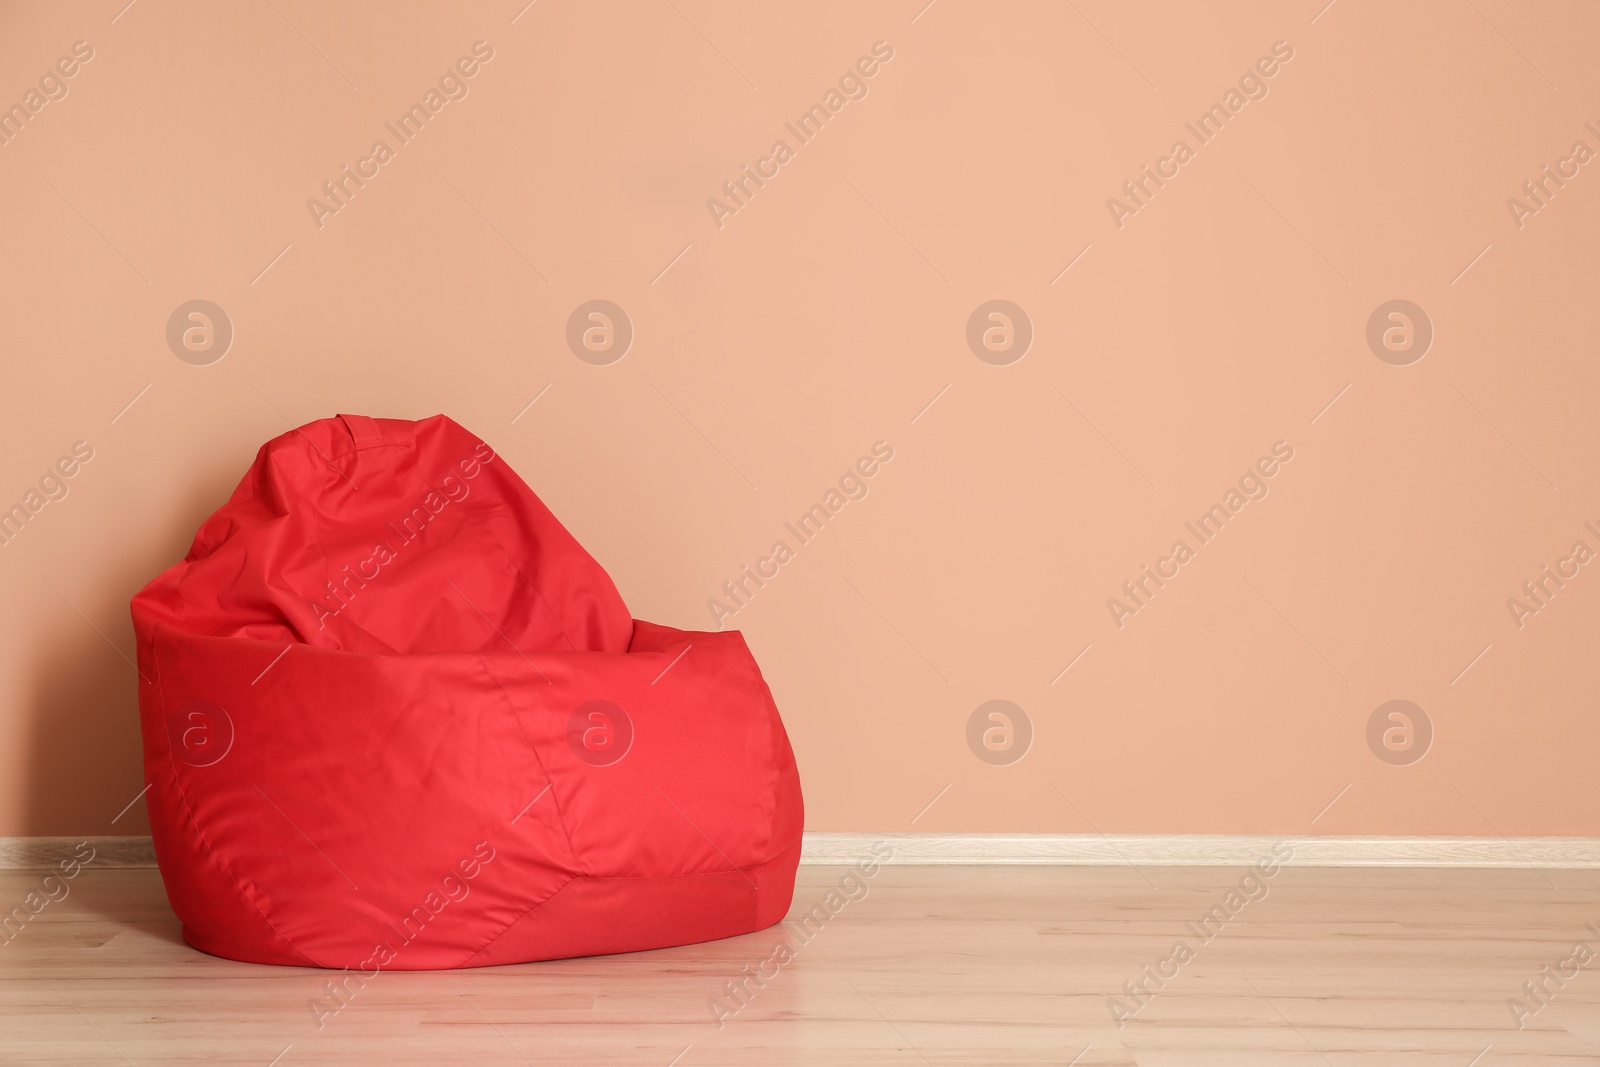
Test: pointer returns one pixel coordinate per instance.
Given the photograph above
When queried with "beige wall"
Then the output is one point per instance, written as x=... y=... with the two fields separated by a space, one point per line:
x=1222 y=316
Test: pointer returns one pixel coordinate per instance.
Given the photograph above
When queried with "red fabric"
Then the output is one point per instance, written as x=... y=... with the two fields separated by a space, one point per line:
x=395 y=717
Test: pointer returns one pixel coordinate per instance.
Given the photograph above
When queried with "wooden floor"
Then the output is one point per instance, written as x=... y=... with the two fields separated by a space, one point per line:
x=933 y=965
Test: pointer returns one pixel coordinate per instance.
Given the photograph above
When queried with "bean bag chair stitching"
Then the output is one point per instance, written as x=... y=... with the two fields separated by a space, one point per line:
x=476 y=510
x=555 y=796
x=770 y=794
x=292 y=638
x=323 y=552
x=511 y=558
x=189 y=816
x=571 y=647
x=247 y=895
x=331 y=460
x=768 y=739
x=745 y=871
x=480 y=508
x=578 y=859
x=733 y=868
x=200 y=836
x=364 y=431
x=769 y=797
x=498 y=934
x=244 y=892
x=322 y=549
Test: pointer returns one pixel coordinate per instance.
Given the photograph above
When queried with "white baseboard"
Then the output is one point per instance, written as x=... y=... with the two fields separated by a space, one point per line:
x=1062 y=850
x=1206 y=850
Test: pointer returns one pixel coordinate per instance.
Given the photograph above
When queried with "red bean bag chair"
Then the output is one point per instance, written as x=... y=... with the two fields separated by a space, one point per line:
x=395 y=717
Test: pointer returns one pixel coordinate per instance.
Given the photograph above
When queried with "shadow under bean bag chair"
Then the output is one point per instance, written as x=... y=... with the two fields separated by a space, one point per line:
x=395 y=717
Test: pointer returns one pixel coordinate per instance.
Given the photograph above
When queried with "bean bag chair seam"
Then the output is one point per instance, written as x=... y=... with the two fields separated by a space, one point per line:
x=498 y=934
x=188 y=813
x=770 y=739
x=754 y=890
x=205 y=843
x=555 y=797
x=511 y=558
x=774 y=750
x=571 y=647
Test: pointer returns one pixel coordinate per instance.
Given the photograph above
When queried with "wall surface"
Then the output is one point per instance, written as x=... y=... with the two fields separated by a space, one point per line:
x=1197 y=315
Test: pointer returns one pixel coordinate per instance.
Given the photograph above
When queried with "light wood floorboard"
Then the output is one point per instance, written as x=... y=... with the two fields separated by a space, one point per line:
x=937 y=965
